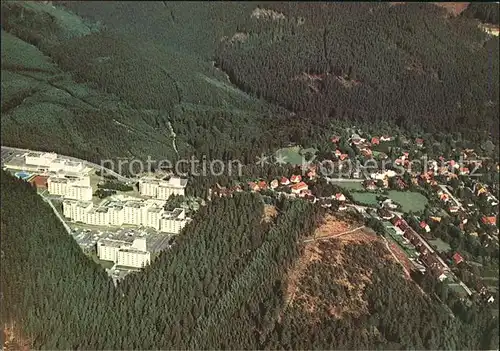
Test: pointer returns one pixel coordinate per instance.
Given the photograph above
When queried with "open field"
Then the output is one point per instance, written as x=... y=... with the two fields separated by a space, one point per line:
x=409 y=200
x=349 y=185
x=368 y=199
x=440 y=245
x=294 y=154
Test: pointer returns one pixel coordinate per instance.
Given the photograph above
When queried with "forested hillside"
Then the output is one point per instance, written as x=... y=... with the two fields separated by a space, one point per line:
x=223 y=285
x=405 y=64
x=237 y=78
x=487 y=12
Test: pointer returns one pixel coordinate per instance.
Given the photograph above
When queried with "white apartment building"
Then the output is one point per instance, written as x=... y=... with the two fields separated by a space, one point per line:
x=132 y=212
x=153 y=216
x=174 y=221
x=116 y=215
x=162 y=189
x=130 y=257
x=77 y=188
x=57 y=186
x=149 y=213
x=76 y=210
x=148 y=186
x=124 y=253
x=98 y=216
x=64 y=165
x=79 y=192
x=40 y=159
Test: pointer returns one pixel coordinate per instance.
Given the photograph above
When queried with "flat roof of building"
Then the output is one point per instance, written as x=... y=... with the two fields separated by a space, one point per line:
x=113 y=242
x=132 y=250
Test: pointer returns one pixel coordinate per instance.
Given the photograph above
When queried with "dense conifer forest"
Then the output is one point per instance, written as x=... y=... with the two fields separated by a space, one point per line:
x=234 y=81
x=223 y=285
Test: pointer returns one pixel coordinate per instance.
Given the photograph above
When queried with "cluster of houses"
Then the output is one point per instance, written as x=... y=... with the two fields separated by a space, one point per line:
x=427 y=255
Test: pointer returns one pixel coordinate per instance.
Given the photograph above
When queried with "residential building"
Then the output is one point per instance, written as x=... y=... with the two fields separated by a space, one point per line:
x=299 y=187
x=40 y=159
x=79 y=192
x=162 y=189
x=173 y=221
x=124 y=253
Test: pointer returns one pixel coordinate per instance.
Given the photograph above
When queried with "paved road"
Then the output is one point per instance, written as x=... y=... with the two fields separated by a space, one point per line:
x=344 y=180
x=364 y=208
x=66 y=226
x=445 y=189
x=6 y=149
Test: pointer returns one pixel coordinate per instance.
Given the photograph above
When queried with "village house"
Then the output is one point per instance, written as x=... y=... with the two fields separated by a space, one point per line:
x=284 y=181
x=253 y=186
x=335 y=139
x=296 y=178
x=457 y=258
x=419 y=142
x=385 y=138
x=274 y=184
x=370 y=184
x=425 y=226
x=489 y=220
x=262 y=185
x=375 y=141
x=299 y=187
x=340 y=197
x=344 y=157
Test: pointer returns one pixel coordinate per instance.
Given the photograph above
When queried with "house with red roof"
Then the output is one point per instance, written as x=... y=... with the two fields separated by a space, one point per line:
x=489 y=220
x=311 y=174
x=457 y=258
x=296 y=178
x=419 y=141
x=340 y=197
x=284 y=181
x=338 y=152
x=253 y=186
x=335 y=139
x=375 y=141
x=299 y=187
x=344 y=157
x=425 y=226
x=262 y=184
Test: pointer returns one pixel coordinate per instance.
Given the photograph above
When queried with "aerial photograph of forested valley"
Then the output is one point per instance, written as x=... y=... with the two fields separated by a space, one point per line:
x=212 y=175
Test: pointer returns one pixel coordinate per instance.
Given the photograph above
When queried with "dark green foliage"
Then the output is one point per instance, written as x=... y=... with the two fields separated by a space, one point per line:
x=485 y=11
x=370 y=62
x=222 y=285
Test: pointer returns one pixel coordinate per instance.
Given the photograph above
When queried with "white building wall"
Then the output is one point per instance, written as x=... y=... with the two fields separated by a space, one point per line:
x=116 y=216
x=79 y=192
x=44 y=159
x=137 y=259
x=148 y=188
x=107 y=253
x=57 y=186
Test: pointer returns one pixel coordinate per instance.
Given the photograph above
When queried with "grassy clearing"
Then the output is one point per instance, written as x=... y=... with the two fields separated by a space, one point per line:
x=349 y=185
x=410 y=201
x=440 y=245
x=368 y=199
x=294 y=154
